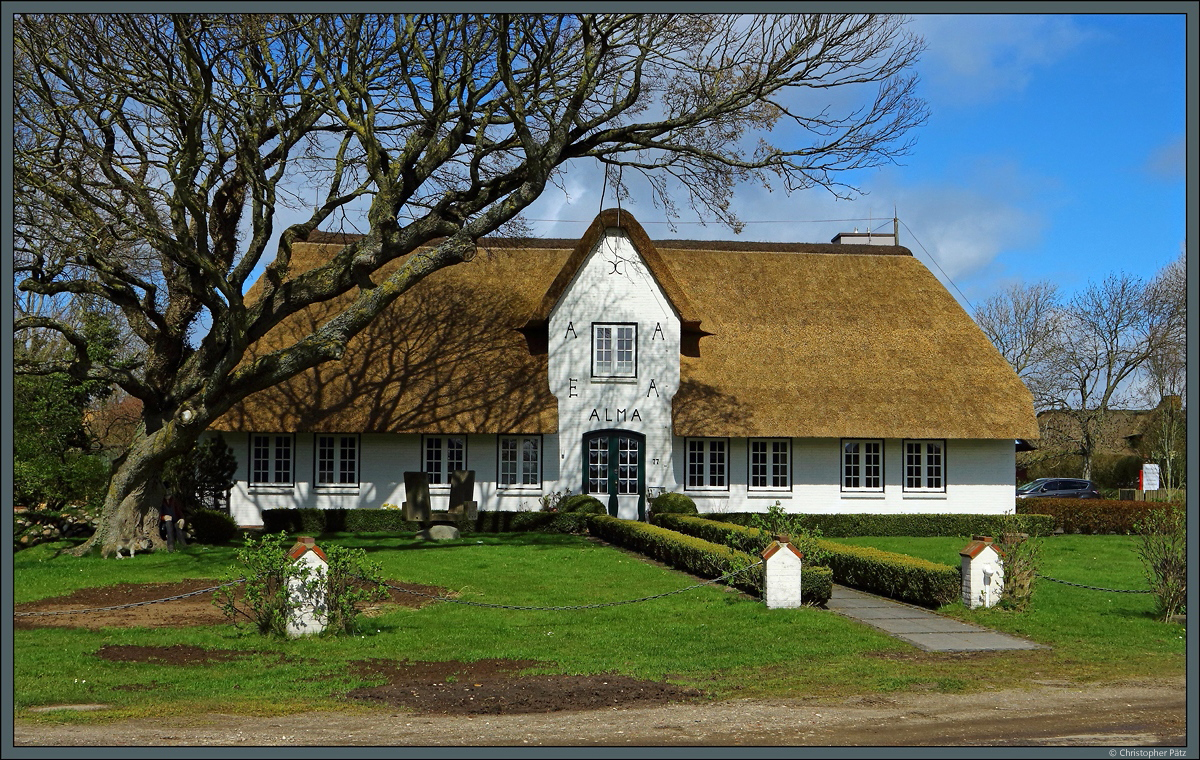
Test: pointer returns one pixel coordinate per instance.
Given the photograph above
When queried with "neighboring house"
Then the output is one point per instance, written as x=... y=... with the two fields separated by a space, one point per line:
x=828 y=377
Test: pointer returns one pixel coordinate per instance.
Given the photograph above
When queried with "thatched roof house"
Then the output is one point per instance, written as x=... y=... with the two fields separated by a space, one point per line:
x=782 y=341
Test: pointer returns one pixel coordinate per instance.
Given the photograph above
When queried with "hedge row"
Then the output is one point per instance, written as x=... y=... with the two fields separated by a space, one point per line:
x=897 y=576
x=318 y=521
x=1093 y=515
x=703 y=558
x=850 y=525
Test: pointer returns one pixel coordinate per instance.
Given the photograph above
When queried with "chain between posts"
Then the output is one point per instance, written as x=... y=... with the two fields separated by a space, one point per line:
x=575 y=606
x=1097 y=588
x=131 y=604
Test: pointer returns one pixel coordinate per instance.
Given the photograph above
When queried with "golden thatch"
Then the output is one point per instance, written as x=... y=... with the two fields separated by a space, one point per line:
x=803 y=340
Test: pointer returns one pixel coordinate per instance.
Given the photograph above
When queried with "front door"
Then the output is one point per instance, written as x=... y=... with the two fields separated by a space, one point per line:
x=614 y=471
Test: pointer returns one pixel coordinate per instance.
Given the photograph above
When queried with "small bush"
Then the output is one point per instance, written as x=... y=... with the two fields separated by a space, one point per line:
x=672 y=504
x=1022 y=558
x=212 y=527
x=582 y=503
x=1162 y=546
x=349 y=580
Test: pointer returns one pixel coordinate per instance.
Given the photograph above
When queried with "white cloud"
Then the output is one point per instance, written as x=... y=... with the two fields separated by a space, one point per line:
x=972 y=59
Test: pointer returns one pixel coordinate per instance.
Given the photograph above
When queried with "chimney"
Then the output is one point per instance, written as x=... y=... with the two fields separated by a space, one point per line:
x=864 y=238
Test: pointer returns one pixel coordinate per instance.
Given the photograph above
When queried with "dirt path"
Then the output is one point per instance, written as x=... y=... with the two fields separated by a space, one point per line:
x=1134 y=714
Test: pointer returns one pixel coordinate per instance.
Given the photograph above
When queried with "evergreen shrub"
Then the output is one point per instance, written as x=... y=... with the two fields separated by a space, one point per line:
x=672 y=504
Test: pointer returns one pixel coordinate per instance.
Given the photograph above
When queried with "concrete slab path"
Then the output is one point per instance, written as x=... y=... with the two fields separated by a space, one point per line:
x=920 y=627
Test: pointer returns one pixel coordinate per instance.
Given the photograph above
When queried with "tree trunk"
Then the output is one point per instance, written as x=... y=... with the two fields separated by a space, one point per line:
x=129 y=520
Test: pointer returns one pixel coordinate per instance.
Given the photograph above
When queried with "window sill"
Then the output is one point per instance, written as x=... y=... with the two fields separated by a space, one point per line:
x=615 y=380
x=863 y=495
x=768 y=494
x=517 y=491
x=934 y=495
x=271 y=487
x=723 y=494
x=337 y=488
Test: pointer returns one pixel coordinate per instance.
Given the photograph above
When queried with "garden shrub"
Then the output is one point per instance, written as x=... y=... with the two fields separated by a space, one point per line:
x=1162 y=547
x=209 y=526
x=704 y=558
x=350 y=580
x=582 y=503
x=309 y=521
x=1022 y=558
x=897 y=576
x=851 y=525
x=1091 y=515
x=672 y=504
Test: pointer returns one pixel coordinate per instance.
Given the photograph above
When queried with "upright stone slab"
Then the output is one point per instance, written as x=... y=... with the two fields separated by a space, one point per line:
x=784 y=563
x=982 y=573
x=308 y=594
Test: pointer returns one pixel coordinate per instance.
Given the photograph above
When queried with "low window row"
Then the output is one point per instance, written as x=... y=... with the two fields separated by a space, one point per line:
x=272 y=459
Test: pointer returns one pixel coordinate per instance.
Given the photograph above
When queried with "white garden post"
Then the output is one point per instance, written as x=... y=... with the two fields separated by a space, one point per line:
x=308 y=592
x=784 y=563
x=982 y=573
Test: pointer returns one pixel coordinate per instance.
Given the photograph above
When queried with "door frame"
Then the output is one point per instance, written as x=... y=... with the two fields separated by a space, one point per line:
x=613 y=434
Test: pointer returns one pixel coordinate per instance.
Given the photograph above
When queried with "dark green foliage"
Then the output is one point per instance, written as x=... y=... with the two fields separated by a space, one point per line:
x=202 y=477
x=1022 y=557
x=707 y=559
x=52 y=463
x=848 y=525
x=582 y=503
x=672 y=504
x=897 y=576
x=1090 y=515
x=211 y=526
x=1162 y=547
x=317 y=521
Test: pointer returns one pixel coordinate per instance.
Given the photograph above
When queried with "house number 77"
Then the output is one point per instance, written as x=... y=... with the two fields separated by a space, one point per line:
x=655 y=461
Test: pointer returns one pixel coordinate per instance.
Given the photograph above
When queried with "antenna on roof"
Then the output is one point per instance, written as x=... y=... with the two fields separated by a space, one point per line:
x=895 y=227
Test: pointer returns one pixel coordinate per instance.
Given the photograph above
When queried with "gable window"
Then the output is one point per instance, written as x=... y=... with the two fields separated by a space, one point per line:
x=614 y=350
x=271 y=459
x=770 y=464
x=862 y=465
x=521 y=461
x=707 y=462
x=443 y=455
x=337 y=460
x=924 y=466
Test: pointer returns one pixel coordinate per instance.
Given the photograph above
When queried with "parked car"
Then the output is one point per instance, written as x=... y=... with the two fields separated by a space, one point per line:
x=1059 y=488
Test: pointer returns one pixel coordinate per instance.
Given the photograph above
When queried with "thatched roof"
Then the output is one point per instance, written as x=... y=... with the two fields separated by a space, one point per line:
x=804 y=340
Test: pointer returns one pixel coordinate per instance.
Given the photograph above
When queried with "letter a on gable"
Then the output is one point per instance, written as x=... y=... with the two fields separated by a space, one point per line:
x=658 y=333
x=570 y=333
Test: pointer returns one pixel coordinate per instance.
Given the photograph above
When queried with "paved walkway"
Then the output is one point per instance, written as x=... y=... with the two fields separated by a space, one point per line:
x=920 y=627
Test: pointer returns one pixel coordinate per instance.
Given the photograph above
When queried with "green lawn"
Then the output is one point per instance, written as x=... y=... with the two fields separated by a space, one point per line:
x=1101 y=632
x=723 y=642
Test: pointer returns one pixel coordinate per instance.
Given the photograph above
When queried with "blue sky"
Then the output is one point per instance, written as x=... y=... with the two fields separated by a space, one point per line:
x=1055 y=150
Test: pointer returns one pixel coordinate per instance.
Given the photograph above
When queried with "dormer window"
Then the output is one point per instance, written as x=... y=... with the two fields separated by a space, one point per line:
x=614 y=350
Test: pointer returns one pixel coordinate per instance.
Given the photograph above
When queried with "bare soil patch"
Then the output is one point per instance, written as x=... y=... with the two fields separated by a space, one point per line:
x=495 y=687
x=192 y=610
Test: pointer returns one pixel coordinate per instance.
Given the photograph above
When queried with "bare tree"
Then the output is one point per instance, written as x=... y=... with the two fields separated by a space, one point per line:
x=1165 y=375
x=1023 y=324
x=178 y=137
x=1107 y=333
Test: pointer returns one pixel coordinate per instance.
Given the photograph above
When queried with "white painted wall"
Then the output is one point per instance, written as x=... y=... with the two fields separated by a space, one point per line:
x=979 y=480
x=614 y=285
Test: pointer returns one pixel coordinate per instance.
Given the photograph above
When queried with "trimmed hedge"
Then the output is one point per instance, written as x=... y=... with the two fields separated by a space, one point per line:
x=851 y=525
x=897 y=576
x=583 y=503
x=672 y=504
x=703 y=558
x=1093 y=515
x=210 y=526
x=318 y=521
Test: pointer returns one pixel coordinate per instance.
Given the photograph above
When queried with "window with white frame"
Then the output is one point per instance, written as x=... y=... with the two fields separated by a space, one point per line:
x=862 y=465
x=443 y=455
x=337 y=460
x=924 y=465
x=770 y=464
x=271 y=459
x=614 y=350
x=707 y=464
x=521 y=461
